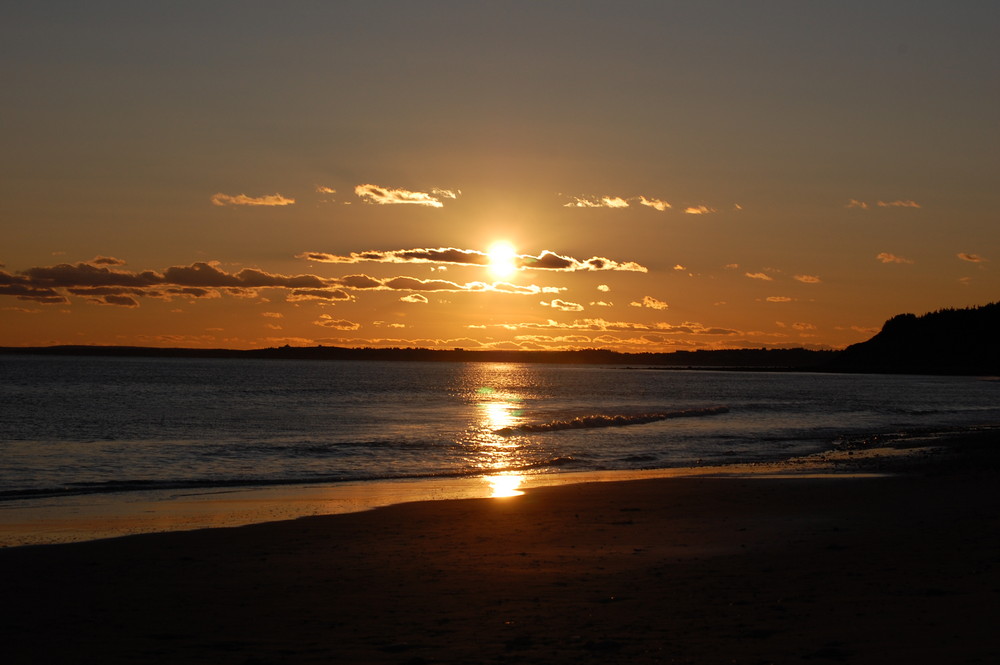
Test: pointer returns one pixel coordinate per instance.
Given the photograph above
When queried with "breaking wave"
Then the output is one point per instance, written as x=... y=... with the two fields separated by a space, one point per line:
x=589 y=422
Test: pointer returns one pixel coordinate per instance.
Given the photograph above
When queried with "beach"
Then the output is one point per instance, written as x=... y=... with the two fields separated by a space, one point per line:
x=902 y=565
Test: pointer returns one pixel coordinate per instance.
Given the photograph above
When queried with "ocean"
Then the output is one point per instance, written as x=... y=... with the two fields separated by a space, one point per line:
x=74 y=426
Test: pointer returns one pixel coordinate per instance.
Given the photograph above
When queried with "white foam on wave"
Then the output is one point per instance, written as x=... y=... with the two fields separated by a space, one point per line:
x=600 y=420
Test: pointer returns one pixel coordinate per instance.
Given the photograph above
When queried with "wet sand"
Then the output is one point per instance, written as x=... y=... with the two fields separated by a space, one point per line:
x=749 y=569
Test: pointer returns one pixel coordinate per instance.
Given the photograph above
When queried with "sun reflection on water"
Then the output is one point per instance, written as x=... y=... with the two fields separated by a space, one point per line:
x=493 y=388
x=504 y=485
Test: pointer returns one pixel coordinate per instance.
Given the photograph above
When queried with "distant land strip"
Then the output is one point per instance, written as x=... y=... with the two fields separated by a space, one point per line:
x=948 y=341
x=774 y=359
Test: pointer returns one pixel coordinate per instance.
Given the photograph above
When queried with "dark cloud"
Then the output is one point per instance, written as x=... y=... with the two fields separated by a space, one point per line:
x=547 y=260
x=106 y=261
x=84 y=274
x=120 y=301
x=96 y=280
x=328 y=321
x=318 y=294
x=414 y=284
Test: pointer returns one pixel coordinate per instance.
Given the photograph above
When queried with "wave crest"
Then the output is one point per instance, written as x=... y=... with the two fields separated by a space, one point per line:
x=589 y=422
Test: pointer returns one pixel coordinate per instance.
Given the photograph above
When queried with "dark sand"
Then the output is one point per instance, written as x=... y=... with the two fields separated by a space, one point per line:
x=897 y=569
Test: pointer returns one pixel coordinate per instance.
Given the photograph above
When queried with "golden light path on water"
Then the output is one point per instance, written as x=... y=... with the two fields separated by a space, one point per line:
x=498 y=407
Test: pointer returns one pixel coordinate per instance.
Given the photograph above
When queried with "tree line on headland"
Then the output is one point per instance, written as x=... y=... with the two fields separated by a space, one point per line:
x=948 y=341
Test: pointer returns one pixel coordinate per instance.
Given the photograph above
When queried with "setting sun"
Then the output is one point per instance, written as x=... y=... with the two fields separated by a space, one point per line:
x=503 y=259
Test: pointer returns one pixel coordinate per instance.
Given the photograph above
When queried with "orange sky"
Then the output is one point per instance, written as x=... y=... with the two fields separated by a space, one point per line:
x=667 y=175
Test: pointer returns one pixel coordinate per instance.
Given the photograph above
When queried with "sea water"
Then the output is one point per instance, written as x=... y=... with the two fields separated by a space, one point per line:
x=85 y=425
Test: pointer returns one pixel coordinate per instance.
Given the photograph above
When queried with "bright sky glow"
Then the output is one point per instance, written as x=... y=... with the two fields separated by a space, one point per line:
x=674 y=175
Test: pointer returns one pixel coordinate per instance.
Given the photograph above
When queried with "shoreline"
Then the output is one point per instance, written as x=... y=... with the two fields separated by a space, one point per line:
x=896 y=562
x=81 y=518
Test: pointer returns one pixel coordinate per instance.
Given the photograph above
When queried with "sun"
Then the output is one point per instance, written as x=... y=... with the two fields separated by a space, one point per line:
x=503 y=259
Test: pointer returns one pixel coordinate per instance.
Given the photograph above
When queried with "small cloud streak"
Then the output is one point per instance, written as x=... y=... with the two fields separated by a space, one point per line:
x=864 y=205
x=597 y=202
x=898 y=204
x=563 y=306
x=808 y=279
x=760 y=275
x=415 y=298
x=650 y=302
x=221 y=199
x=616 y=202
x=106 y=261
x=971 y=258
x=328 y=321
x=698 y=210
x=779 y=299
x=389 y=196
x=886 y=257
x=656 y=204
x=603 y=325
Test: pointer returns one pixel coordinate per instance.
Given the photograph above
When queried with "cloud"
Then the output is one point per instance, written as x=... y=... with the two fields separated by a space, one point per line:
x=886 y=257
x=547 y=260
x=803 y=326
x=207 y=274
x=328 y=321
x=650 y=302
x=698 y=210
x=616 y=202
x=971 y=258
x=415 y=298
x=446 y=193
x=23 y=289
x=601 y=303
x=760 y=275
x=221 y=199
x=656 y=204
x=439 y=255
x=273 y=315
x=551 y=261
x=388 y=196
x=325 y=190
x=603 y=288
x=322 y=295
x=198 y=280
x=85 y=274
x=864 y=205
x=120 y=301
x=597 y=202
x=415 y=284
x=898 y=204
x=779 y=299
x=808 y=279
x=603 y=325
x=106 y=261
x=564 y=306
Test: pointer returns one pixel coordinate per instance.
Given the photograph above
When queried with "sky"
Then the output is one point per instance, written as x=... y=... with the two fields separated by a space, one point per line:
x=630 y=175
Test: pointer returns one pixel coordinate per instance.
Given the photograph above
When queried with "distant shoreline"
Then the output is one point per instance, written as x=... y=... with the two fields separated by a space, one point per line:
x=761 y=359
x=955 y=342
